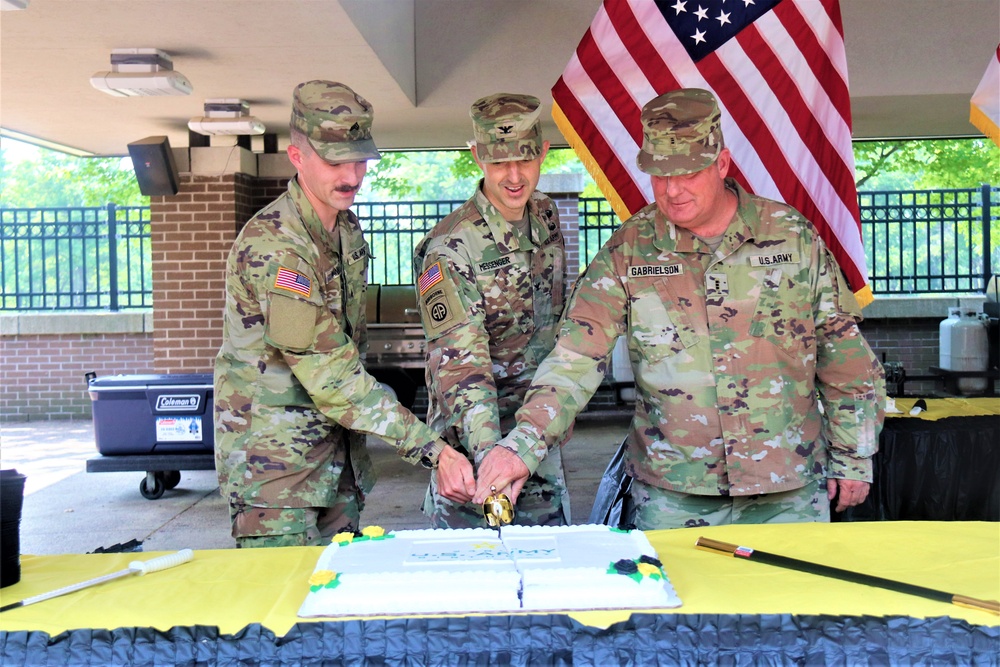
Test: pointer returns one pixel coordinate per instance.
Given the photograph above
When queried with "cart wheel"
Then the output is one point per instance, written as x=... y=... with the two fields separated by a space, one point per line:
x=157 y=486
x=171 y=478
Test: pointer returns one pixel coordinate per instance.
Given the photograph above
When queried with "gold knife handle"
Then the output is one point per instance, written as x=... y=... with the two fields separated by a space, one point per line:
x=992 y=606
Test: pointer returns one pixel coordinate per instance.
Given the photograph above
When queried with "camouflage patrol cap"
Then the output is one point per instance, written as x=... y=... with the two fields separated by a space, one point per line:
x=681 y=133
x=336 y=121
x=506 y=127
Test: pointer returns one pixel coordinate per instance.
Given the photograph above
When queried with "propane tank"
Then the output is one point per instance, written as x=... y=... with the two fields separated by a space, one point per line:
x=944 y=338
x=969 y=350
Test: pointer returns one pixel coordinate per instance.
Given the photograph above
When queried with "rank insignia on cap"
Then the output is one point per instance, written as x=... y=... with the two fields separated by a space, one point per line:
x=430 y=277
x=293 y=281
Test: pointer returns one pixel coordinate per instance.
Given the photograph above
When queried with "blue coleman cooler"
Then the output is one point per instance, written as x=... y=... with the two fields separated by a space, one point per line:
x=152 y=414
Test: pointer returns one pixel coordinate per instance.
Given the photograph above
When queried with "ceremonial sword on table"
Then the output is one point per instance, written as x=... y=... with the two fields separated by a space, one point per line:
x=725 y=548
x=135 y=567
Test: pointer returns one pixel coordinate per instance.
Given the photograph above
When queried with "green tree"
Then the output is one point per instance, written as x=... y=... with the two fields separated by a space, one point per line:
x=448 y=174
x=53 y=179
x=926 y=164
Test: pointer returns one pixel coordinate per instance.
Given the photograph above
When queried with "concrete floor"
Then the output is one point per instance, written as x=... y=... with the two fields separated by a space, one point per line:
x=67 y=510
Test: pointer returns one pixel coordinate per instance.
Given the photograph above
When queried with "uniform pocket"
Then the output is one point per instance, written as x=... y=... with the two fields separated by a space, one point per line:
x=652 y=333
x=508 y=302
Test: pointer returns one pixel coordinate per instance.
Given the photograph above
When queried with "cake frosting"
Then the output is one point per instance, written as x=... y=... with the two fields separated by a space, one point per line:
x=535 y=568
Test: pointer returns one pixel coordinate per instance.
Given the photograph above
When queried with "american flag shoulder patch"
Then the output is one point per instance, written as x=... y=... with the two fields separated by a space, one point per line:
x=429 y=278
x=293 y=281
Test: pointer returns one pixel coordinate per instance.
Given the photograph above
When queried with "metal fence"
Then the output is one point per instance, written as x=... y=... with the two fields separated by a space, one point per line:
x=78 y=258
x=920 y=241
x=915 y=241
x=393 y=229
x=930 y=241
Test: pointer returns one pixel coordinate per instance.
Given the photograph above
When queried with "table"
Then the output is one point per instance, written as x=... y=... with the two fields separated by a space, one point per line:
x=940 y=465
x=233 y=604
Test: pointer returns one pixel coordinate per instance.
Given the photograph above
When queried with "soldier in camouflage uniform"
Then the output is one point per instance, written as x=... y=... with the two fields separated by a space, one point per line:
x=490 y=296
x=758 y=398
x=293 y=403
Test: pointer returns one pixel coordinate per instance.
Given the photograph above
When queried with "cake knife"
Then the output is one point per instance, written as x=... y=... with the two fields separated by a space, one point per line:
x=135 y=567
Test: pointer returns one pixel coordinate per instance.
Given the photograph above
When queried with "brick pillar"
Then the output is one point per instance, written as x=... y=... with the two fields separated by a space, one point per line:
x=564 y=189
x=192 y=233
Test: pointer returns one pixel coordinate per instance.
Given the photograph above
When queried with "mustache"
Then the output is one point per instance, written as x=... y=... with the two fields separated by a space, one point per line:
x=347 y=189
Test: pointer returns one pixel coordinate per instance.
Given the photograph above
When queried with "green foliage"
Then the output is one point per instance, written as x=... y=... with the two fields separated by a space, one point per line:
x=435 y=175
x=53 y=179
x=926 y=164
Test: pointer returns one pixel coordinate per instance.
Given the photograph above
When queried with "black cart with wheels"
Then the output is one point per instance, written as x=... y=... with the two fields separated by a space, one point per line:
x=157 y=424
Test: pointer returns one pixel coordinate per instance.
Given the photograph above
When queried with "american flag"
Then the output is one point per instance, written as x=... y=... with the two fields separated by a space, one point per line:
x=430 y=277
x=984 y=111
x=293 y=281
x=779 y=71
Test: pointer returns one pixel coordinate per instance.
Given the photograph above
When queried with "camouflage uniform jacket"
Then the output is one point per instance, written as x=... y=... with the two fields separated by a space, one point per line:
x=751 y=373
x=292 y=400
x=491 y=318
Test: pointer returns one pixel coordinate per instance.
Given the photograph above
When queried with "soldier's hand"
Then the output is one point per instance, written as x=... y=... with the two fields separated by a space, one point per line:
x=852 y=492
x=455 y=478
x=503 y=470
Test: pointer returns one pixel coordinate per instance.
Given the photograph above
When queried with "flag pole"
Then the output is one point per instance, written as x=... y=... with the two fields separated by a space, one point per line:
x=715 y=546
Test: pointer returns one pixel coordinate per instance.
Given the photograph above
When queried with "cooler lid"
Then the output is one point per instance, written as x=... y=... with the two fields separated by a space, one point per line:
x=146 y=381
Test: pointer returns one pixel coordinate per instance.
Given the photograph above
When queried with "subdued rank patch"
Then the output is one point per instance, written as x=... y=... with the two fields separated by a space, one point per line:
x=293 y=281
x=356 y=255
x=791 y=257
x=493 y=265
x=429 y=278
x=654 y=270
x=717 y=283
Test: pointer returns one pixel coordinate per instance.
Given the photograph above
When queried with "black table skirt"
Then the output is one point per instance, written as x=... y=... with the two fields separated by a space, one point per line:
x=943 y=470
x=644 y=639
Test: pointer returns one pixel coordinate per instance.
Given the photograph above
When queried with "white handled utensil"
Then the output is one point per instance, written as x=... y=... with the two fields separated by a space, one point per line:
x=135 y=567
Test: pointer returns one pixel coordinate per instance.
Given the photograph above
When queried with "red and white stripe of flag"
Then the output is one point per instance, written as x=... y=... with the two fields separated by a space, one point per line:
x=783 y=90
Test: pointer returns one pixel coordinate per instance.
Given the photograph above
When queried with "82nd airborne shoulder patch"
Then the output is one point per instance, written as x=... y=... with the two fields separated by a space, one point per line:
x=440 y=307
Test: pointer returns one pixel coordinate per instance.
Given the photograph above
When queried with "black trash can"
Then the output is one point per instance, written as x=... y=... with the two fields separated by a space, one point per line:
x=152 y=414
x=11 y=501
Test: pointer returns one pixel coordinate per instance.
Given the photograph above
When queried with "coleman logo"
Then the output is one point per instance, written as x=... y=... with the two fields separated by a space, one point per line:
x=655 y=270
x=493 y=265
x=777 y=258
x=178 y=403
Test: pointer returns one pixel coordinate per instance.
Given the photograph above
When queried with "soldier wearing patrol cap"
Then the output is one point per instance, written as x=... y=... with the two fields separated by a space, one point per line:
x=293 y=403
x=490 y=292
x=758 y=398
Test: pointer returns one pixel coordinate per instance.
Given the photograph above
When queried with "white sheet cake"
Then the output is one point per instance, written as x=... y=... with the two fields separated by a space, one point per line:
x=474 y=570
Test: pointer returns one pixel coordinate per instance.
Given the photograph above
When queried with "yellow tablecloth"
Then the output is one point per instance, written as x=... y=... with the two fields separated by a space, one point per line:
x=940 y=408
x=233 y=588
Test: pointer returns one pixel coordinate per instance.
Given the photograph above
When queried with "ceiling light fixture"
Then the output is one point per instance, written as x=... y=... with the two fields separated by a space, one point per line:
x=226 y=116
x=141 y=73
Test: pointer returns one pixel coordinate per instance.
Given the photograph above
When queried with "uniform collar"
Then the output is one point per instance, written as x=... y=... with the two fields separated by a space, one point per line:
x=347 y=230
x=506 y=236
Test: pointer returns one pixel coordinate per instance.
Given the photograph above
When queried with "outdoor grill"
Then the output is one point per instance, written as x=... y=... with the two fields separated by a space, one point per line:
x=396 y=345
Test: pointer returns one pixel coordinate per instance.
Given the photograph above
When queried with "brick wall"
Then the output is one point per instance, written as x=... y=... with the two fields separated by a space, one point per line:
x=192 y=232
x=43 y=375
x=569 y=222
x=914 y=342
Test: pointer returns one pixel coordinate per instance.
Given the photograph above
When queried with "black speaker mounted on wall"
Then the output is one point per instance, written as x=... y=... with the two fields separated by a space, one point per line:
x=154 y=166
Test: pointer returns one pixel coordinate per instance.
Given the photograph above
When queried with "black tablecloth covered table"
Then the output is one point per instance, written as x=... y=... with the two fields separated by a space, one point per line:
x=239 y=607
x=554 y=639
x=936 y=469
